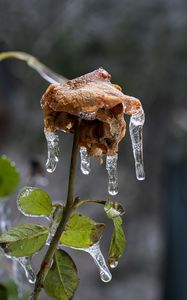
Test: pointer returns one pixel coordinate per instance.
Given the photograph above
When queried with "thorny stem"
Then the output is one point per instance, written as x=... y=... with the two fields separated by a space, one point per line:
x=35 y=64
x=46 y=263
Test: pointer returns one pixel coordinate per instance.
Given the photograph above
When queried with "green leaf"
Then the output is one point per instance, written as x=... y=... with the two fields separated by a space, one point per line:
x=24 y=240
x=117 y=246
x=34 y=202
x=3 y=292
x=9 y=176
x=118 y=243
x=81 y=232
x=61 y=281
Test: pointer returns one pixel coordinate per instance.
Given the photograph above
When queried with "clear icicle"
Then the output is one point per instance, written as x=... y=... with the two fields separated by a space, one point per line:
x=25 y=262
x=99 y=260
x=85 y=161
x=17 y=276
x=98 y=257
x=135 y=127
x=111 y=166
x=5 y=222
x=53 y=150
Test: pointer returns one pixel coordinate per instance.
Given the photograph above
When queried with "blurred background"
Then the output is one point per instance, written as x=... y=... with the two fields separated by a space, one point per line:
x=143 y=44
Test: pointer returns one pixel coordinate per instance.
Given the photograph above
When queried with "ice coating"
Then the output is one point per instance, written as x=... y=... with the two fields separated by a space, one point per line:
x=57 y=213
x=5 y=222
x=17 y=276
x=85 y=161
x=25 y=262
x=53 y=150
x=113 y=264
x=111 y=166
x=31 y=297
x=99 y=260
x=135 y=127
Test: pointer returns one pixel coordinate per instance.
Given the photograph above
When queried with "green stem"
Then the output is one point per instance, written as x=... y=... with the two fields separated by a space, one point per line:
x=35 y=64
x=46 y=263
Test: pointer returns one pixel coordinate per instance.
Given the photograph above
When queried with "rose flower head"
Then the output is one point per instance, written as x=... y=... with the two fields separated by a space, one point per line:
x=98 y=106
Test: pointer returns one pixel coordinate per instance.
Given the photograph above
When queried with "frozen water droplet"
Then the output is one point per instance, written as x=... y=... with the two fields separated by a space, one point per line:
x=135 y=127
x=53 y=150
x=17 y=276
x=114 y=264
x=99 y=260
x=85 y=161
x=25 y=262
x=111 y=166
x=98 y=257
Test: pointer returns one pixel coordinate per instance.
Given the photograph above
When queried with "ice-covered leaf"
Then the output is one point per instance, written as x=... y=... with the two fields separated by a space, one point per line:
x=81 y=232
x=3 y=292
x=118 y=242
x=23 y=240
x=113 y=209
x=34 y=202
x=9 y=176
x=61 y=281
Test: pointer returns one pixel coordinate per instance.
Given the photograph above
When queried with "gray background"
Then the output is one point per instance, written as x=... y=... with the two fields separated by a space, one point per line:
x=143 y=45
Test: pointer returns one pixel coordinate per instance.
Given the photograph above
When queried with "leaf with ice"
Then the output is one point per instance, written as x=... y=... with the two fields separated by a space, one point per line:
x=34 y=202
x=62 y=280
x=9 y=176
x=118 y=241
x=24 y=240
x=113 y=209
x=81 y=232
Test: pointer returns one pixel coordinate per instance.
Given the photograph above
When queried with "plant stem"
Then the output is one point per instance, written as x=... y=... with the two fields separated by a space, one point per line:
x=46 y=263
x=35 y=64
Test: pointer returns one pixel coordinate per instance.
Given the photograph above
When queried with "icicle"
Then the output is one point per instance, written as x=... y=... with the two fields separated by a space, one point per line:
x=136 y=125
x=111 y=166
x=17 y=276
x=5 y=222
x=99 y=260
x=85 y=161
x=25 y=262
x=53 y=150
